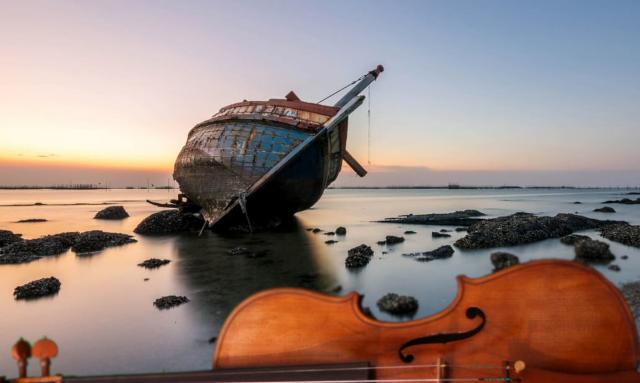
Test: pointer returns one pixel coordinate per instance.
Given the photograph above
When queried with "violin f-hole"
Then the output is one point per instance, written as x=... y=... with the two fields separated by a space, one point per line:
x=471 y=313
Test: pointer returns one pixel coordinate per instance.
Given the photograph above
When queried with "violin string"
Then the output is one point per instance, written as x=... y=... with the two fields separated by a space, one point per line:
x=369 y=368
x=413 y=380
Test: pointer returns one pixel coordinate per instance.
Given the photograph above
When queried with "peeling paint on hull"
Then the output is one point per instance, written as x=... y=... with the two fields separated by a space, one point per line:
x=227 y=154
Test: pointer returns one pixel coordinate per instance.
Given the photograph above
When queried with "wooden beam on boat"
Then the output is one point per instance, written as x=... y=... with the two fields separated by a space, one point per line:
x=353 y=163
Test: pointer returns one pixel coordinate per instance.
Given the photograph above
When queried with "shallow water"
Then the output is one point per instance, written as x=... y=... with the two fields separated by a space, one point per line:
x=103 y=318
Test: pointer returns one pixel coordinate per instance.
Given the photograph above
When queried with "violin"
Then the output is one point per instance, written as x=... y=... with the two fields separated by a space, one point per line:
x=542 y=321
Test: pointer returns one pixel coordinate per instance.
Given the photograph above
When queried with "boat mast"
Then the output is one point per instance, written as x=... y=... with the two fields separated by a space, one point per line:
x=359 y=87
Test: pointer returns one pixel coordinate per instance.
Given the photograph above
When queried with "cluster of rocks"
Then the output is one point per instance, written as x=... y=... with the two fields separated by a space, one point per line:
x=169 y=222
x=358 y=257
x=391 y=240
x=24 y=251
x=522 y=228
x=457 y=218
x=589 y=250
x=170 y=301
x=112 y=212
x=37 y=289
x=625 y=201
x=398 y=304
x=154 y=263
x=7 y=237
x=623 y=233
x=441 y=252
x=502 y=260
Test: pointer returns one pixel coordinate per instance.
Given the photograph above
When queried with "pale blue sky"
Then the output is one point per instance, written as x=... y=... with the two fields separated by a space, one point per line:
x=504 y=86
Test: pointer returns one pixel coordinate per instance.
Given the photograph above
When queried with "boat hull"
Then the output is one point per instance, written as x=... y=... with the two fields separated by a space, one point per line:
x=223 y=159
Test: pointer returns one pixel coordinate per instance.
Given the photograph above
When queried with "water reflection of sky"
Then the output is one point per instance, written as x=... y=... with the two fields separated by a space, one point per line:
x=103 y=317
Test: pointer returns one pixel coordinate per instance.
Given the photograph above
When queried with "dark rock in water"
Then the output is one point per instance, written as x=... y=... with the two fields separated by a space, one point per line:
x=341 y=230
x=381 y=243
x=170 y=301
x=32 y=220
x=32 y=249
x=37 y=289
x=631 y=293
x=213 y=339
x=577 y=203
x=461 y=229
x=436 y=234
x=502 y=260
x=409 y=232
x=625 y=201
x=606 y=209
x=316 y=230
x=169 y=222
x=625 y=257
x=112 y=212
x=358 y=256
x=7 y=237
x=96 y=240
x=329 y=233
x=392 y=239
x=626 y=234
x=614 y=268
x=331 y=242
x=439 y=253
x=591 y=250
x=571 y=239
x=154 y=263
x=445 y=230
x=457 y=218
x=522 y=228
x=632 y=193
x=146 y=279
x=398 y=304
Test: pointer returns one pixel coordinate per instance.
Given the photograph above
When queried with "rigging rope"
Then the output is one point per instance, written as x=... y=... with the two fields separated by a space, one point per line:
x=343 y=88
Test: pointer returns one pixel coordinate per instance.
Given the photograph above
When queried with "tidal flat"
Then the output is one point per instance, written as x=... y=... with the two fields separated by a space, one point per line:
x=103 y=316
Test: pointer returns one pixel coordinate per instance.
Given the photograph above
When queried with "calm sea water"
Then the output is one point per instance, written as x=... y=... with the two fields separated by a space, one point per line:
x=103 y=318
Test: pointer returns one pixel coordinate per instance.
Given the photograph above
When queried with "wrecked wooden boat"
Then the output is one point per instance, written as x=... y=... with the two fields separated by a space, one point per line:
x=256 y=161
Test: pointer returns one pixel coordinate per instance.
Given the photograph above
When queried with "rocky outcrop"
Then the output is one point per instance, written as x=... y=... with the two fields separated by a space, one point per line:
x=571 y=239
x=341 y=230
x=435 y=234
x=626 y=234
x=590 y=250
x=32 y=220
x=502 y=260
x=409 y=232
x=112 y=212
x=392 y=239
x=625 y=201
x=457 y=218
x=358 y=256
x=398 y=304
x=522 y=228
x=441 y=252
x=37 y=289
x=32 y=249
x=605 y=209
x=169 y=222
x=7 y=237
x=170 y=301
x=96 y=240
x=154 y=263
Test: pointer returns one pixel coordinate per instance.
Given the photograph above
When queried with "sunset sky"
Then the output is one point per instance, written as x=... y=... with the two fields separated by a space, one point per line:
x=482 y=92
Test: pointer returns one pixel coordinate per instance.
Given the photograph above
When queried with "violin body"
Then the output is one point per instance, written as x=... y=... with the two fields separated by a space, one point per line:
x=564 y=320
